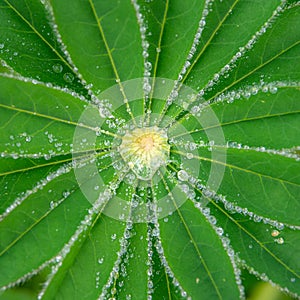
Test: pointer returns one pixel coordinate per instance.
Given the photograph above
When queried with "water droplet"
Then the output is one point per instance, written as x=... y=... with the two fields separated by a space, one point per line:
x=68 y=77
x=212 y=220
x=220 y=231
x=183 y=293
x=182 y=175
x=100 y=260
x=148 y=65
x=279 y=241
x=66 y=194
x=273 y=89
x=57 y=68
x=58 y=258
x=275 y=233
x=230 y=251
x=189 y=155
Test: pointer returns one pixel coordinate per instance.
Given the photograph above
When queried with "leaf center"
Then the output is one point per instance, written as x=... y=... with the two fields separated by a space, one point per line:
x=145 y=150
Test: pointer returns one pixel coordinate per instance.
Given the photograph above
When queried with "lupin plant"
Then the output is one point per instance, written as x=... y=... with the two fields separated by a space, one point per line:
x=149 y=149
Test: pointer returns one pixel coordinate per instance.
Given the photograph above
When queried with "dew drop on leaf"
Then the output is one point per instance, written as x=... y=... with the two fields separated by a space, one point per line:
x=182 y=175
x=273 y=89
x=189 y=155
x=279 y=241
x=275 y=233
x=57 y=68
x=220 y=231
x=100 y=260
x=68 y=77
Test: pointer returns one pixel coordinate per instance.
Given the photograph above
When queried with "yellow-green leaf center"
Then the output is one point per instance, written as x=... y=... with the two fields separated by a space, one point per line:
x=145 y=150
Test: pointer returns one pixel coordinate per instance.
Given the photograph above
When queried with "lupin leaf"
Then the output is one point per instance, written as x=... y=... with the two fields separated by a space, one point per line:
x=220 y=79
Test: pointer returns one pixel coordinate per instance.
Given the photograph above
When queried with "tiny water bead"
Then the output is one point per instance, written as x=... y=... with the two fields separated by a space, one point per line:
x=68 y=77
x=57 y=68
x=145 y=150
x=275 y=233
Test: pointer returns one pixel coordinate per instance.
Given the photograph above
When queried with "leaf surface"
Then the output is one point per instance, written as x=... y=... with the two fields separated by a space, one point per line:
x=216 y=83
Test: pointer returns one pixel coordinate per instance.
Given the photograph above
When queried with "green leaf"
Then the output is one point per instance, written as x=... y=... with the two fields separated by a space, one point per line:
x=30 y=45
x=264 y=249
x=134 y=281
x=192 y=257
x=110 y=32
x=233 y=24
x=95 y=254
x=41 y=110
x=29 y=229
x=215 y=87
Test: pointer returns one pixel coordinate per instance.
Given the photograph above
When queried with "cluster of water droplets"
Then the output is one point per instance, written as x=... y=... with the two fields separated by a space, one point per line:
x=248 y=91
x=187 y=64
x=119 y=267
x=233 y=208
x=145 y=46
x=160 y=250
x=191 y=146
x=46 y=84
x=197 y=37
x=195 y=105
x=289 y=153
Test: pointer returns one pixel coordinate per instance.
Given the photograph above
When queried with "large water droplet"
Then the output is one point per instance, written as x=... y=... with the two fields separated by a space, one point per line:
x=182 y=175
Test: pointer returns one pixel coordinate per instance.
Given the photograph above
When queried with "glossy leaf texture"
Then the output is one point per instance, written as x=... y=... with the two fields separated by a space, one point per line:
x=218 y=80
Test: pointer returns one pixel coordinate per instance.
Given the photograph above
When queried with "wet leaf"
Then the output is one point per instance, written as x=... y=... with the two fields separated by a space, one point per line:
x=174 y=211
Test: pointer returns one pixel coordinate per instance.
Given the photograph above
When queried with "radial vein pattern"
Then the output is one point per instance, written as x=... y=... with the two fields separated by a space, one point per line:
x=149 y=149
